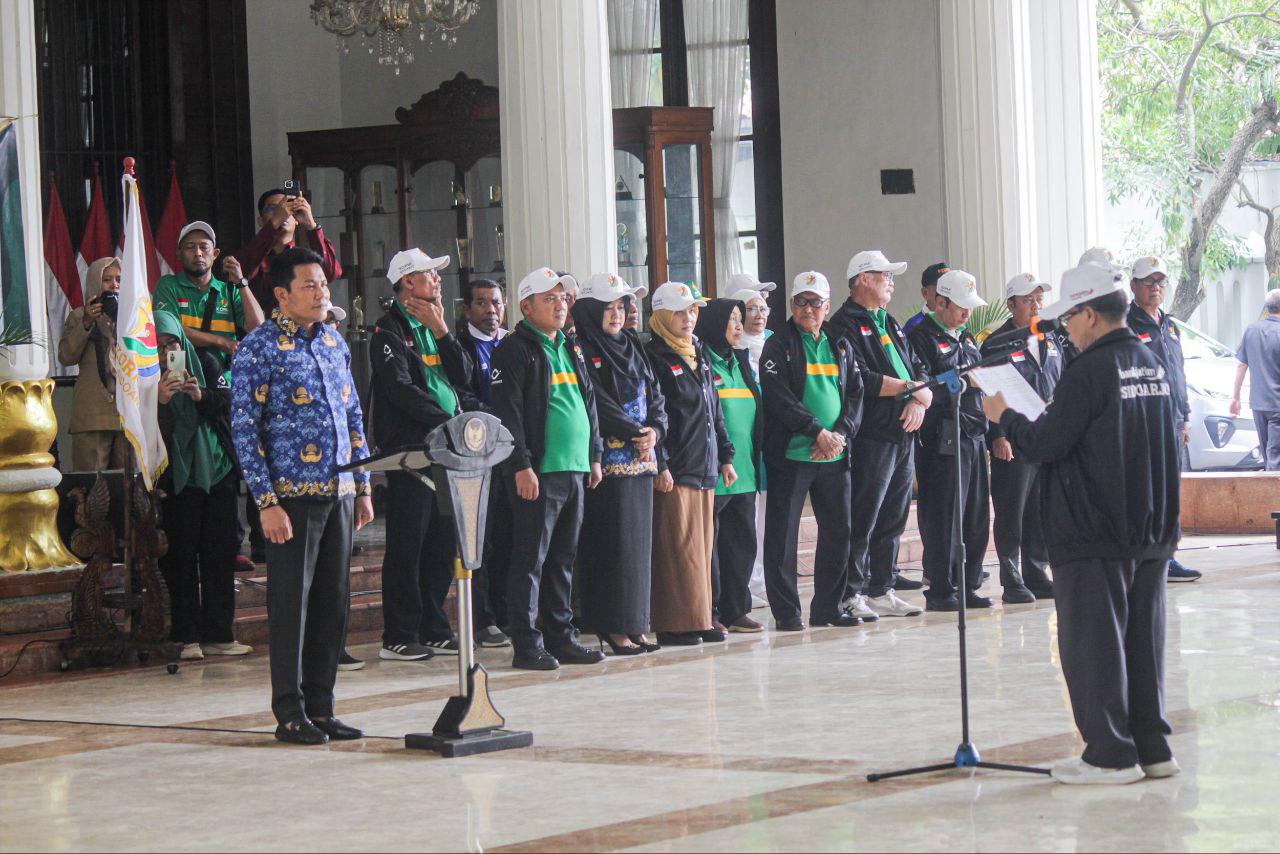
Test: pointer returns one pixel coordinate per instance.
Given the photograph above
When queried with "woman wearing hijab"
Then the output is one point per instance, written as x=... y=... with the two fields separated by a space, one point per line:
x=694 y=452
x=614 y=549
x=719 y=329
x=86 y=342
x=201 y=484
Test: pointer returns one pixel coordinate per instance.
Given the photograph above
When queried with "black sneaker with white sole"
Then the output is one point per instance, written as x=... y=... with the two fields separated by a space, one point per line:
x=347 y=661
x=492 y=637
x=443 y=647
x=406 y=652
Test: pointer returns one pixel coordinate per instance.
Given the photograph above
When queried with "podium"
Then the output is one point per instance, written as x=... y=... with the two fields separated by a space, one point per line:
x=457 y=461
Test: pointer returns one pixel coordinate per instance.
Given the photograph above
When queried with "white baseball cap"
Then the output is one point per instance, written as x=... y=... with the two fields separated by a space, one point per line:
x=1149 y=266
x=542 y=280
x=408 y=261
x=338 y=313
x=810 y=282
x=571 y=286
x=873 y=261
x=1023 y=284
x=748 y=294
x=1081 y=284
x=676 y=296
x=608 y=287
x=198 y=225
x=748 y=282
x=1100 y=256
x=961 y=288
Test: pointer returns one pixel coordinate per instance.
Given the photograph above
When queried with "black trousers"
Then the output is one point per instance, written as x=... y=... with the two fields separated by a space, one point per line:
x=497 y=549
x=1268 y=424
x=733 y=557
x=934 y=510
x=544 y=544
x=1015 y=495
x=200 y=565
x=880 y=505
x=1111 y=625
x=308 y=588
x=417 y=570
x=827 y=484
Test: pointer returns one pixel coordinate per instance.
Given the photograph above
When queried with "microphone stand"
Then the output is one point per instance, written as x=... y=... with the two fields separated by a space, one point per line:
x=966 y=755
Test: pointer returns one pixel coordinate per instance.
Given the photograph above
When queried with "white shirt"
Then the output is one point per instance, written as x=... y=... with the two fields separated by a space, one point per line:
x=480 y=336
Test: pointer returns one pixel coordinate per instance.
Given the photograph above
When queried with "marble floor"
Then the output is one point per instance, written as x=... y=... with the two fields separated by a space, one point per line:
x=760 y=744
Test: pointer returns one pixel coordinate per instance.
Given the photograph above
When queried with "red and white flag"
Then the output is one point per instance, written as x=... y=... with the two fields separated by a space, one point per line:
x=62 y=291
x=148 y=246
x=97 y=241
x=171 y=223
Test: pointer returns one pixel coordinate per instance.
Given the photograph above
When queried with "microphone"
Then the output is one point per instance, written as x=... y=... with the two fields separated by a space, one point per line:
x=1039 y=328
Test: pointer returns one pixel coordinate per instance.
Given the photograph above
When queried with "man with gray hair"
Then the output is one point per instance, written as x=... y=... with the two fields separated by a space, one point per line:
x=1260 y=350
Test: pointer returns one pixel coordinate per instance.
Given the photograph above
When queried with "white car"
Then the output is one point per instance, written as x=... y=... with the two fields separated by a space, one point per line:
x=1218 y=441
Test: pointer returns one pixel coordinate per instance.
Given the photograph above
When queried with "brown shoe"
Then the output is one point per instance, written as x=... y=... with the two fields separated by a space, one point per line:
x=745 y=625
x=718 y=626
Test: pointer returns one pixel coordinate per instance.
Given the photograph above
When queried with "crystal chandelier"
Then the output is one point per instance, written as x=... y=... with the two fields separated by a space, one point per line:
x=389 y=24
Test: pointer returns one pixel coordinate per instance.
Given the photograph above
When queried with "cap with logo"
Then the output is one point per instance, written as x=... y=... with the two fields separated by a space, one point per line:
x=1081 y=284
x=198 y=225
x=338 y=313
x=748 y=294
x=929 y=278
x=748 y=282
x=408 y=261
x=873 y=261
x=1100 y=256
x=542 y=280
x=1023 y=284
x=676 y=296
x=571 y=286
x=1145 y=268
x=608 y=287
x=810 y=282
x=961 y=288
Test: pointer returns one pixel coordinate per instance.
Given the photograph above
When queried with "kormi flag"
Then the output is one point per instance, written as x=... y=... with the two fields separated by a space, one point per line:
x=15 y=309
x=62 y=288
x=135 y=360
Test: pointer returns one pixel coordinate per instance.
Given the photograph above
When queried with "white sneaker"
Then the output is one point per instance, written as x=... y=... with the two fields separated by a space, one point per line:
x=1160 y=770
x=758 y=602
x=232 y=648
x=1077 y=772
x=858 y=605
x=191 y=652
x=891 y=605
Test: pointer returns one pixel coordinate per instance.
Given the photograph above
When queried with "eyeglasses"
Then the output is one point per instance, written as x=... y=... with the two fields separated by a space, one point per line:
x=808 y=302
x=762 y=310
x=1067 y=315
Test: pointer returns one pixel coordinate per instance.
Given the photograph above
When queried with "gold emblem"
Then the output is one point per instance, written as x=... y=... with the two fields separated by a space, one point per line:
x=346 y=393
x=310 y=454
x=261 y=452
x=261 y=394
x=357 y=441
x=302 y=397
x=284 y=342
x=474 y=435
x=330 y=340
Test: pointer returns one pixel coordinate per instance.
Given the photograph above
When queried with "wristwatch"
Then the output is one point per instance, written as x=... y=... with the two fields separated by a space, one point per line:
x=243 y=283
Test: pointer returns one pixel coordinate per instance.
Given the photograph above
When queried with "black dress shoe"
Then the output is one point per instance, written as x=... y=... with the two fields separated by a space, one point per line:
x=714 y=635
x=789 y=626
x=337 y=730
x=973 y=600
x=951 y=603
x=1017 y=596
x=534 y=659
x=1041 y=592
x=575 y=653
x=904 y=583
x=844 y=620
x=301 y=731
x=679 y=638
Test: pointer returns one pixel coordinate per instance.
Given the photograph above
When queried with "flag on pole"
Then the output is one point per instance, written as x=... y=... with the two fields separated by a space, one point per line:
x=96 y=242
x=149 y=247
x=15 y=308
x=171 y=223
x=62 y=288
x=135 y=360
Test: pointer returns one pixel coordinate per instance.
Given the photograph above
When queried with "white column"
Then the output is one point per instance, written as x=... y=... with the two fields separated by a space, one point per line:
x=557 y=136
x=988 y=142
x=18 y=100
x=1067 y=101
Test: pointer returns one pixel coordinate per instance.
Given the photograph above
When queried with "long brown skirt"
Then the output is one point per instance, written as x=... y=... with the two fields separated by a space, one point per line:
x=683 y=535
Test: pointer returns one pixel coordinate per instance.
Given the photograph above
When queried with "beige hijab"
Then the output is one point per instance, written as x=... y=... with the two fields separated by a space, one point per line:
x=103 y=337
x=660 y=322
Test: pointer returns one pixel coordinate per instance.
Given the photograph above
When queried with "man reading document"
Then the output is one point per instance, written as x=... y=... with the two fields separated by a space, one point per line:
x=1109 y=498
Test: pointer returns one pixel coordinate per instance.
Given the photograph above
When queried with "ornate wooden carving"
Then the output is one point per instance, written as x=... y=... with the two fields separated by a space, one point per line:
x=94 y=541
x=149 y=544
x=459 y=101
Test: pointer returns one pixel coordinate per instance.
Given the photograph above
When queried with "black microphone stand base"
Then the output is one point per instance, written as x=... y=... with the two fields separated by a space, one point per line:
x=469 y=724
x=469 y=745
x=966 y=757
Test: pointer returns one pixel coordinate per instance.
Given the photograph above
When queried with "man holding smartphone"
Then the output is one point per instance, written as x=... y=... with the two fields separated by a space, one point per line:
x=281 y=212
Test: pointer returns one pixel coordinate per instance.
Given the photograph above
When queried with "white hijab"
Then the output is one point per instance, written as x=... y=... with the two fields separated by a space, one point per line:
x=753 y=344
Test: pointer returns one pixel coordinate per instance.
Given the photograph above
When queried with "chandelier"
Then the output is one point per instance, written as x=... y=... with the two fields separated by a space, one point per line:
x=388 y=25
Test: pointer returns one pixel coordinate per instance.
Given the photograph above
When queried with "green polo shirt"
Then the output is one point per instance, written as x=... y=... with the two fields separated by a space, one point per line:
x=886 y=341
x=739 y=407
x=568 y=430
x=178 y=295
x=821 y=394
x=438 y=385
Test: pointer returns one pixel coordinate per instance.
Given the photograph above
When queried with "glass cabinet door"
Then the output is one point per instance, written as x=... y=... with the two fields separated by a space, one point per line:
x=632 y=228
x=481 y=252
x=684 y=224
x=326 y=188
x=434 y=196
x=379 y=231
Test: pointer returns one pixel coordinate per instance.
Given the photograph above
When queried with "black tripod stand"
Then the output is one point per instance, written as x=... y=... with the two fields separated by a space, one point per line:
x=966 y=755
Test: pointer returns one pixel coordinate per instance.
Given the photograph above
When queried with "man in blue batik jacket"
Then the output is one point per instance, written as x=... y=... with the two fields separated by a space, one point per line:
x=295 y=419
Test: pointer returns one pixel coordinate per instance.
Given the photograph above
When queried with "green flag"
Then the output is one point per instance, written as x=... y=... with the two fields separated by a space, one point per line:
x=13 y=258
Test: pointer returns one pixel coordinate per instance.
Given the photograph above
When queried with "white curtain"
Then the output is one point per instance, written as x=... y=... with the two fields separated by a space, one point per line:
x=716 y=32
x=633 y=27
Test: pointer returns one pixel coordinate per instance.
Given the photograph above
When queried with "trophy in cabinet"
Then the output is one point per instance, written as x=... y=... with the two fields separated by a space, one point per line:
x=624 y=245
x=499 y=240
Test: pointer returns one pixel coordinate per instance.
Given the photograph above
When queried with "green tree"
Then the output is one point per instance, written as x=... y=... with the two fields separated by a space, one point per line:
x=1189 y=96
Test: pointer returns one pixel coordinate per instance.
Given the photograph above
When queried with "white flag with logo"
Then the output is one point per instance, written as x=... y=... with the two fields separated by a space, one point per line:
x=135 y=360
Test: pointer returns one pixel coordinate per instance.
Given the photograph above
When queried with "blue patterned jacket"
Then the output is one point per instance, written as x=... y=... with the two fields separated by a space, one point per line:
x=295 y=416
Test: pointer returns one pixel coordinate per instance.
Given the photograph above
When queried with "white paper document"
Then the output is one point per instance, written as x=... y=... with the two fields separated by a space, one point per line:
x=1018 y=393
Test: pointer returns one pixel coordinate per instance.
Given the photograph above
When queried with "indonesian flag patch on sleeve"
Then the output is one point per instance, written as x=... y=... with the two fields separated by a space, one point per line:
x=1144 y=337
x=183 y=302
x=677 y=371
x=944 y=346
x=595 y=361
x=1019 y=356
x=866 y=330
